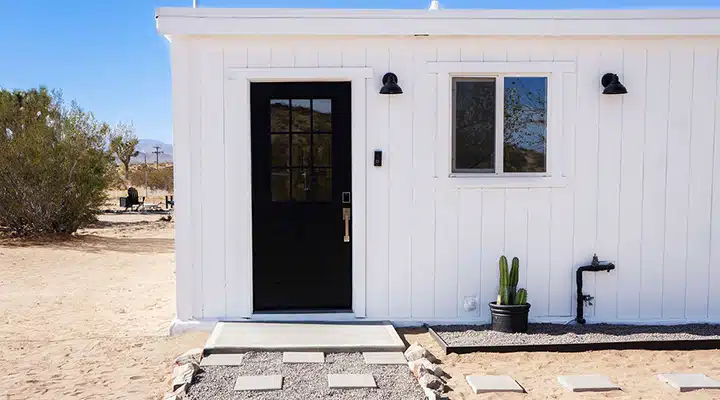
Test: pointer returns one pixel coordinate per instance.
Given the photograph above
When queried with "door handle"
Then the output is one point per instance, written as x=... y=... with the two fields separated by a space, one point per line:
x=346 y=218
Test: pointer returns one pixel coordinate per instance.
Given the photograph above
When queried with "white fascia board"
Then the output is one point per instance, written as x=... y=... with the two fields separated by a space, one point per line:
x=281 y=22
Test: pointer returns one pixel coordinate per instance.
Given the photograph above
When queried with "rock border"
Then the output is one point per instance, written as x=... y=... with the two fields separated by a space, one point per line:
x=426 y=369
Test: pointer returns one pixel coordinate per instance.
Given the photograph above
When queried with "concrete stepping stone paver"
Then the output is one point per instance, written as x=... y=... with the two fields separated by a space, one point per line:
x=351 y=381
x=385 y=358
x=259 y=382
x=688 y=382
x=493 y=383
x=587 y=383
x=299 y=357
x=222 y=359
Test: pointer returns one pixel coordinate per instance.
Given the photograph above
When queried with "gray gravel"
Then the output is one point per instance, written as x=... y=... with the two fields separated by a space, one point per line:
x=482 y=335
x=306 y=381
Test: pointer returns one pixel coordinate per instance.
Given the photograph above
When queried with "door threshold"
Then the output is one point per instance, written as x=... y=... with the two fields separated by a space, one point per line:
x=324 y=316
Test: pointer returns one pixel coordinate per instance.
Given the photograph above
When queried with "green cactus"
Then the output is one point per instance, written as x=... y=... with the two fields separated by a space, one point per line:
x=504 y=296
x=521 y=297
x=514 y=272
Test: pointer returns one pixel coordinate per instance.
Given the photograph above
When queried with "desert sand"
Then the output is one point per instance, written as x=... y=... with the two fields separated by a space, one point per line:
x=88 y=317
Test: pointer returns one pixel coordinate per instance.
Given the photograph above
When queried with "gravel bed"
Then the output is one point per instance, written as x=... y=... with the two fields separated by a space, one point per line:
x=482 y=335
x=306 y=381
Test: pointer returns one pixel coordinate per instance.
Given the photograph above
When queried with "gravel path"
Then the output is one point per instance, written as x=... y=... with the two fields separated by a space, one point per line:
x=306 y=381
x=481 y=335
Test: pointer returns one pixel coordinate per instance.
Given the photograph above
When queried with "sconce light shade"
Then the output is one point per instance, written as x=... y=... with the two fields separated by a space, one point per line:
x=390 y=85
x=612 y=84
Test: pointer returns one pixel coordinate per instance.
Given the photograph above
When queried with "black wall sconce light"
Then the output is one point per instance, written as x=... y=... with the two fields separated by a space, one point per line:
x=612 y=84
x=390 y=85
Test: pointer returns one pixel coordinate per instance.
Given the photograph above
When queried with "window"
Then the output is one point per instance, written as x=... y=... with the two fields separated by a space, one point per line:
x=500 y=125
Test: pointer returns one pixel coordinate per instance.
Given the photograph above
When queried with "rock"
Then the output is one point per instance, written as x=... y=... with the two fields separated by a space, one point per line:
x=183 y=375
x=435 y=394
x=192 y=355
x=179 y=393
x=423 y=366
x=431 y=382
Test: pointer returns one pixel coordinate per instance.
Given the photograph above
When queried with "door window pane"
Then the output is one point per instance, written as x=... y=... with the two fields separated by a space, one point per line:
x=322 y=115
x=280 y=149
x=322 y=150
x=322 y=185
x=300 y=115
x=279 y=115
x=280 y=184
x=525 y=130
x=301 y=184
x=300 y=150
x=474 y=124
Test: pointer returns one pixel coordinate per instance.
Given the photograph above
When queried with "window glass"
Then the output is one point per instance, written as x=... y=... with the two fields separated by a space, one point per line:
x=322 y=115
x=280 y=149
x=474 y=124
x=525 y=124
x=279 y=115
x=280 y=184
x=301 y=115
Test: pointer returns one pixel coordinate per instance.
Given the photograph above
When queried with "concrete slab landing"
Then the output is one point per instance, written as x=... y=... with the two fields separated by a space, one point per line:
x=240 y=337
x=587 y=383
x=688 y=382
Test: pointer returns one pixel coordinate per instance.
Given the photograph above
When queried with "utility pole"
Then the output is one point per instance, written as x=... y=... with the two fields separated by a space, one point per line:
x=157 y=153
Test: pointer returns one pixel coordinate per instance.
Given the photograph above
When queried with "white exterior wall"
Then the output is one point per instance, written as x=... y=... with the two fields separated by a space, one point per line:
x=641 y=174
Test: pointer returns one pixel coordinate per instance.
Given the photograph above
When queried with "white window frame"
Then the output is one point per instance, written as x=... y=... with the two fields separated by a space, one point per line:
x=444 y=138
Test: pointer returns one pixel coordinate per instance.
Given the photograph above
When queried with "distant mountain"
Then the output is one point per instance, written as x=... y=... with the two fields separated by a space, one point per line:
x=147 y=146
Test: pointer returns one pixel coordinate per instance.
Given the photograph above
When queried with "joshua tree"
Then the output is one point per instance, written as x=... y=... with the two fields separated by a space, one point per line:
x=122 y=144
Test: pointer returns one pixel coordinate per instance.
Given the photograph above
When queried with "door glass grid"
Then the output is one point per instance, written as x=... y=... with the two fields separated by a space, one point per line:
x=301 y=150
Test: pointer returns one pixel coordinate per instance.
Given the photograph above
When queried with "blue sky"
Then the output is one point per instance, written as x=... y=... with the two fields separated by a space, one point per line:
x=106 y=54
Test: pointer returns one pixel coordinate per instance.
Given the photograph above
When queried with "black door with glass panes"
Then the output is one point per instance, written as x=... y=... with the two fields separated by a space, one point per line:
x=301 y=202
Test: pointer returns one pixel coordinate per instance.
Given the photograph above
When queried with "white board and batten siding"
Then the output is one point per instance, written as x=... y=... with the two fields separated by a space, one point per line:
x=640 y=175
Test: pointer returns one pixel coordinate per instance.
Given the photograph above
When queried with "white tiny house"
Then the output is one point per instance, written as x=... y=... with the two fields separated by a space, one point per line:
x=309 y=187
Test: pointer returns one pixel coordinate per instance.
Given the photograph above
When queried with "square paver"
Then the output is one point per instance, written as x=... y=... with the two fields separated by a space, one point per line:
x=259 y=382
x=688 y=382
x=222 y=359
x=587 y=383
x=493 y=383
x=299 y=357
x=385 y=358
x=351 y=381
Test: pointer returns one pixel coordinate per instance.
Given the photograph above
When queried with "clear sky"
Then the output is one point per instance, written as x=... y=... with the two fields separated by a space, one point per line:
x=106 y=54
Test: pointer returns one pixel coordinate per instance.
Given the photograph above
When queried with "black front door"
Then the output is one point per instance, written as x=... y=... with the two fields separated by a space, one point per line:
x=301 y=196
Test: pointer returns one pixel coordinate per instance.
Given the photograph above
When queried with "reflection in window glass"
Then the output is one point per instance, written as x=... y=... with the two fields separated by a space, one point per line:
x=474 y=124
x=280 y=149
x=525 y=124
x=301 y=150
x=280 y=184
x=301 y=184
x=300 y=115
x=279 y=115
x=322 y=150
x=322 y=115
x=322 y=185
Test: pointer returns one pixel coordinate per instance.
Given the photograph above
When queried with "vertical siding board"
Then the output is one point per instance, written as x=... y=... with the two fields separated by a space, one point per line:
x=423 y=217
x=306 y=54
x=714 y=273
x=629 y=267
x=678 y=174
x=469 y=251
x=654 y=171
x=700 y=194
x=608 y=196
x=586 y=154
x=282 y=55
x=196 y=165
x=259 y=54
x=516 y=218
x=213 y=182
x=399 y=157
x=493 y=238
x=378 y=189
x=180 y=55
x=446 y=257
x=538 y=253
x=354 y=56
x=329 y=55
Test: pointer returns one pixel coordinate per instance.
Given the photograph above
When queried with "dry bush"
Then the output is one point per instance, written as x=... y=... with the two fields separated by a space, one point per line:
x=157 y=179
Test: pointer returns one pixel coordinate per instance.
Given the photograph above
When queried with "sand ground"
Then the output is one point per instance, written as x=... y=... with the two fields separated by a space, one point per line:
x=88 y=318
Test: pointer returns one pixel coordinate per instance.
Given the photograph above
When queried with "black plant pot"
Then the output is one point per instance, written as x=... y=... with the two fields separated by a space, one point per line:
x=509 y=318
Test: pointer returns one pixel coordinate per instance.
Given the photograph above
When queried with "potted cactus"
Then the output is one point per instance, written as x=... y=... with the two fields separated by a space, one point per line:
x=510 y=311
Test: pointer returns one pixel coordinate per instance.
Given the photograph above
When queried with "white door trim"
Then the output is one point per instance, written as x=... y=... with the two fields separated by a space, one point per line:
x=239 y=178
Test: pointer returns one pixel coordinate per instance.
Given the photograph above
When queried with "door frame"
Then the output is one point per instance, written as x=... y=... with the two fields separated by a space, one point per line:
x=238 y=176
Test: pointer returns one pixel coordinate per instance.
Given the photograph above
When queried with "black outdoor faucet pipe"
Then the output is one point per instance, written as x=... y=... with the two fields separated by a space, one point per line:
x=594 y=266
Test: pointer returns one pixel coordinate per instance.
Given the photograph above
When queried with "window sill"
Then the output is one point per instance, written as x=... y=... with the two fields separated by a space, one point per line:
x=470 y=181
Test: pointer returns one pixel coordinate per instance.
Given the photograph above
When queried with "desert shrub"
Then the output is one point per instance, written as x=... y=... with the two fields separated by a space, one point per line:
x=157 y=179
x=54 y=168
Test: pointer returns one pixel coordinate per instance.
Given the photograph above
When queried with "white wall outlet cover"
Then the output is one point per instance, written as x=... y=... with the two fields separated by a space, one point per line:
x=470 y=303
